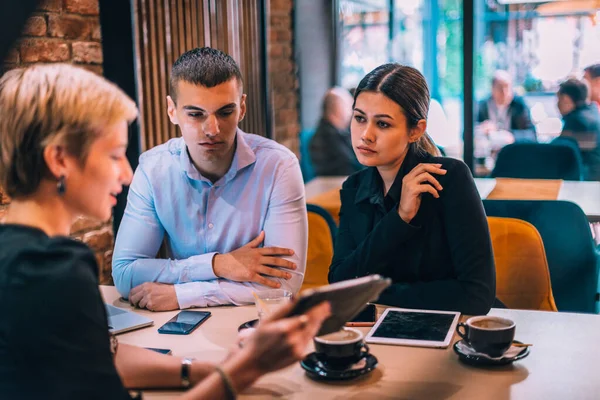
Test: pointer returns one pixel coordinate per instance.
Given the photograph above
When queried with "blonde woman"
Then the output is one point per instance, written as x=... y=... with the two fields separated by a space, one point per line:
x=63 y=135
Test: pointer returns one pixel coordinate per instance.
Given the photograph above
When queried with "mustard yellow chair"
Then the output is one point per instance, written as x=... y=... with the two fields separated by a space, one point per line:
x=321 y=234
x=522 y=276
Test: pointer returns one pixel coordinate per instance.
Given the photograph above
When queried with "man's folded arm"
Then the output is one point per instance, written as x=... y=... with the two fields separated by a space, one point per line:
x=138 y=241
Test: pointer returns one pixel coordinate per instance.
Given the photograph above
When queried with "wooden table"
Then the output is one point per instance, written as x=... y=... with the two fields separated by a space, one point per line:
x=324 y=191
x=562 y=364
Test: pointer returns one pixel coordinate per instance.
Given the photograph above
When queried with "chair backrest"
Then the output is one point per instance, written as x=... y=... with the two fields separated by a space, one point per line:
x=321 y=236
x=539 y=161
x=308 y=171
x=570 y=248
x=522 y=277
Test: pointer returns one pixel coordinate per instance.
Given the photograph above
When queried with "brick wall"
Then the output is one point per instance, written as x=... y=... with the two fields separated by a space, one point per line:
x=282 y=73
x=67 y=31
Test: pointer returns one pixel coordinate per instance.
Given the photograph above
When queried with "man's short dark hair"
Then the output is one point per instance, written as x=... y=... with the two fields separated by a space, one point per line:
x=203 y=66
x=593 y=70
x=575 y=89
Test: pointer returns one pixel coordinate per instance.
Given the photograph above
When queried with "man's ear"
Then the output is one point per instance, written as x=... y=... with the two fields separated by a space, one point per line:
x=418 y=131
x=172 y=111
x=242 y=108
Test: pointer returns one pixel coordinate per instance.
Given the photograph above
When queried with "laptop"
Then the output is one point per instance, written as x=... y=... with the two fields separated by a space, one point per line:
x=120 y=320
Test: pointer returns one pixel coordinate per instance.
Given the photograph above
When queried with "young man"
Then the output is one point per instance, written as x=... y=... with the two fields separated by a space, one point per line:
x=215 y=196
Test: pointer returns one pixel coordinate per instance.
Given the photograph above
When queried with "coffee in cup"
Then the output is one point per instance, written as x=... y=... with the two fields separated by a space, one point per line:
x=488 y=335
x=339 y=350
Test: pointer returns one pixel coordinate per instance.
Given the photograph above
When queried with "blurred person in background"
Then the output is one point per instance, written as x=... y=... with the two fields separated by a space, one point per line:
x=504 y=111
x=330 y=147
x=581 y=122
x=591 y=74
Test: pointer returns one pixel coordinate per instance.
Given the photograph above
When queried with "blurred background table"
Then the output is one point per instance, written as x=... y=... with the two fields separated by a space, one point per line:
x=324 y=191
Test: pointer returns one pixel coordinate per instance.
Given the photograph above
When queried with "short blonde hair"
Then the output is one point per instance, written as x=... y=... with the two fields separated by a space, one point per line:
x=54 y=103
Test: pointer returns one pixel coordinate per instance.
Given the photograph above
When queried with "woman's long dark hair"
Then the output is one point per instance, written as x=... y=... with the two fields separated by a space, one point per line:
x=407 y=87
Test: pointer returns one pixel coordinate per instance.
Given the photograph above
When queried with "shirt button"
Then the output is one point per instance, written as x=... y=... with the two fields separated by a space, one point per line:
x=211 y=225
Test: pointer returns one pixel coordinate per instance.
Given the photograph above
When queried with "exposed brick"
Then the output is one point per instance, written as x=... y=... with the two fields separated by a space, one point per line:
x=87 y=52
x=96 y=32
x=280 y=35
x=106 y=273
x=281 y=21
x=99 y=240
x=284 y=100
x=85 y=7
x=282 y=65
x=72 y=26
x=35 y=26
x=283 y=117
x=85 y=224
x=44 y=50
x=280 y=7
x=97 y=69
x=282 y=82
x=50 y=5
x=280 y=50
x=282 y=74
x=12 y=57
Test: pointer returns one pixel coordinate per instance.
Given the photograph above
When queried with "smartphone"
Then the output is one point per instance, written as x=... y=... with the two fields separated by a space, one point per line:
x=347 y=299
x=366 y=317
x=184 y=322
x=161 y=351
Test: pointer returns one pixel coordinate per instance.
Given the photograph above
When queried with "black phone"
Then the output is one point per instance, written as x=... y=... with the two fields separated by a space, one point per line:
x=366 y=317
x=184 y=322
x=161 y=351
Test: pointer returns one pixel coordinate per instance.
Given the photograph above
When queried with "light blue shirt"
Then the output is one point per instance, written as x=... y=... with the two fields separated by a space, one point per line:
x=168 y=198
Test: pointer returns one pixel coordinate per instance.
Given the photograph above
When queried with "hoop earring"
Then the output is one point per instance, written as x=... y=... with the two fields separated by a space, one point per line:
x=61 y=186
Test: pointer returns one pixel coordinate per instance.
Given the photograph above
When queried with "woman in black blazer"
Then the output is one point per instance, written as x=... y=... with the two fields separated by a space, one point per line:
x=411 y=216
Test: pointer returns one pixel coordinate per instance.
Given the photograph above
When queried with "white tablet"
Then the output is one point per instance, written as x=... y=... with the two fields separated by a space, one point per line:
x=424 y=328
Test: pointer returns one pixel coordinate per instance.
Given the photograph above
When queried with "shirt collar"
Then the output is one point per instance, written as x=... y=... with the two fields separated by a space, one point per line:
x=243 y=157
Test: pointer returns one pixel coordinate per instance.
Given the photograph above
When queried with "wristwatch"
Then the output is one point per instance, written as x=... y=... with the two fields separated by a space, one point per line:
x=186 y=366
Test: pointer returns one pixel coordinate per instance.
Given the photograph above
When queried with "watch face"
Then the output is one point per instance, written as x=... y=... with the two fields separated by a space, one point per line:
x=114 y=344
x=185 y=372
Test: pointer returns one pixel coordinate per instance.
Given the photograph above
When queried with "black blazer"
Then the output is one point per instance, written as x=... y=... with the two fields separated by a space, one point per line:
x=442 y=260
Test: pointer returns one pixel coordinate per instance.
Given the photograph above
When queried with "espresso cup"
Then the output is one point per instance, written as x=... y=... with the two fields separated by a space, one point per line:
x=488 y=335
x=339 y=350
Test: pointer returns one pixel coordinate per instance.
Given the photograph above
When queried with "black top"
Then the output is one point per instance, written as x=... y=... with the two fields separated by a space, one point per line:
x=442 y=260
x=521 y=125
x=331 y=151
x=583 y=124
x=54 y=339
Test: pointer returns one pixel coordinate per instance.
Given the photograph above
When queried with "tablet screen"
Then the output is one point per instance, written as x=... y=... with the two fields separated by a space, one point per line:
x=410 y=325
